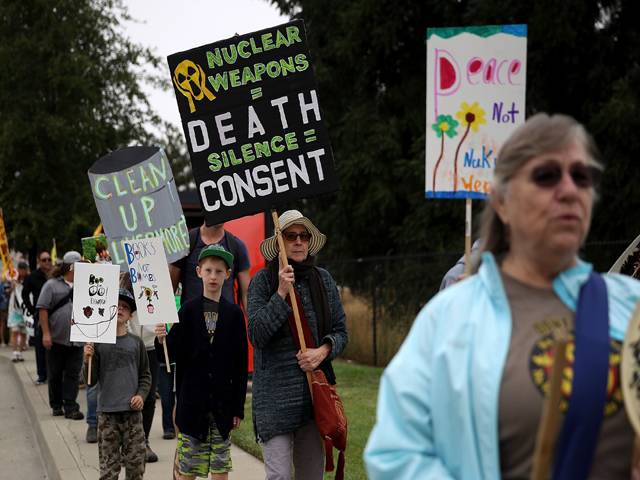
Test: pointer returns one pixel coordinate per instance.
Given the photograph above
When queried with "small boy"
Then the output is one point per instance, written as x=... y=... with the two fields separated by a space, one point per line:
x=122 y=370
x=209 y=347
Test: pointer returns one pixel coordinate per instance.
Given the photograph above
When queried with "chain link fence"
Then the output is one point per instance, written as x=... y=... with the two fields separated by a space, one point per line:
x=382 y=295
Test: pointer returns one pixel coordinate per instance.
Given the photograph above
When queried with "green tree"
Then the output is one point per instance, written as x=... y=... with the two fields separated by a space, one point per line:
x=369 y=58
x=70 y=92
x=178 y=155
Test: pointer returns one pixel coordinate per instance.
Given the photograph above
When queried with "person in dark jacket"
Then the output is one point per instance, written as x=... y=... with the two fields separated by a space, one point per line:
x=30 y=293
x=282 y=409
x=209 y=348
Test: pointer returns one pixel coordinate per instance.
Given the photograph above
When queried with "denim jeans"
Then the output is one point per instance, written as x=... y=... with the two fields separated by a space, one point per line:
x=92 y=406
x=149 y=407
x=167 y=396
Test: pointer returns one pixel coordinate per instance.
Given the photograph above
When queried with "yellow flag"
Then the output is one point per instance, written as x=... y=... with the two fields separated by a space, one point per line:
x=8 y=271
x=54 y=253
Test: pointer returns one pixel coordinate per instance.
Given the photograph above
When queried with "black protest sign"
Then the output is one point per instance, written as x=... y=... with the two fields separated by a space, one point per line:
x=251 y=117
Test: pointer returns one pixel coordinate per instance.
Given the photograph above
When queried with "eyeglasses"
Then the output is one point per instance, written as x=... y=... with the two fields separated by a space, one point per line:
x=46 y=259
x=550 y=175
x=292 y=236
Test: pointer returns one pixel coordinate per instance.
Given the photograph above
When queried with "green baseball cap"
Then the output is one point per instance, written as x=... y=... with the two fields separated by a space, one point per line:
x=216 y=251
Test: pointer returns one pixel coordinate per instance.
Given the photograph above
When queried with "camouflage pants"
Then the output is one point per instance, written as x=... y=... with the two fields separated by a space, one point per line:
x=121 y=442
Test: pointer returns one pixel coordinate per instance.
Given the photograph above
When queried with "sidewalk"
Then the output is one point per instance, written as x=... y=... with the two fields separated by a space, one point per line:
x=66 y=454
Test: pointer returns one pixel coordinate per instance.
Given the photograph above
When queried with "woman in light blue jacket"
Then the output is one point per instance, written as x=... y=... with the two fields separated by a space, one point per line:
x=463 y=397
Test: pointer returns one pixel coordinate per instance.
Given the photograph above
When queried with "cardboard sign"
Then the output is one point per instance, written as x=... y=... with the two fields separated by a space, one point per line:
x=251 y=117
x=95 y=302
x=476 y=79
x=95 y=249
x=149 y=272
x=136 y=197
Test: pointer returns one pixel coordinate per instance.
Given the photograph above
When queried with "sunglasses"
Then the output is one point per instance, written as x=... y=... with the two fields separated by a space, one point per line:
x=292 y=236
x=46 y=259
x=550 y=175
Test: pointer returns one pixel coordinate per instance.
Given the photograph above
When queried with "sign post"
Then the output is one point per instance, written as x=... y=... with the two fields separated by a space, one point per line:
x=548 y=428
x=294 y=304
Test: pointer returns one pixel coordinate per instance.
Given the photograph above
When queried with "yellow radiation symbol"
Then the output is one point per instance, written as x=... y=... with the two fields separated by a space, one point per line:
x=190 y=80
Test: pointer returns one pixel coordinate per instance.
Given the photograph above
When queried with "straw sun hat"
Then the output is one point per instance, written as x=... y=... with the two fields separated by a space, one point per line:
x=269 y=246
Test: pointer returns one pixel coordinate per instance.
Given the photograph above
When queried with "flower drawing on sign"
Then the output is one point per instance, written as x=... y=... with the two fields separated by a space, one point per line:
x=444 y=125
x=471 y=116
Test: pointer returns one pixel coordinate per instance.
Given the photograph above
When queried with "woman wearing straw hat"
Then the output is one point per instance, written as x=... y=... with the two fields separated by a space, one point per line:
x=464 y=396
x=282 y=409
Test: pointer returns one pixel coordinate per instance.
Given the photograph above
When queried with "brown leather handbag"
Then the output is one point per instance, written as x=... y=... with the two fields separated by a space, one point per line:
x=331 y=420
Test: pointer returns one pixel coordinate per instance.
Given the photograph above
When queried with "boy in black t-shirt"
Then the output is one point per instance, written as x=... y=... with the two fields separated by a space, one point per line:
x=209 y=347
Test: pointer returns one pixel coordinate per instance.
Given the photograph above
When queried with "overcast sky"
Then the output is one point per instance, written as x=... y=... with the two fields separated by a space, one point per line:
x=171 y=26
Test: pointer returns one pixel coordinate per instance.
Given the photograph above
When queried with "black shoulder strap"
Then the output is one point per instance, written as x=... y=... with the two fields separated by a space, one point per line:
x=67 y=298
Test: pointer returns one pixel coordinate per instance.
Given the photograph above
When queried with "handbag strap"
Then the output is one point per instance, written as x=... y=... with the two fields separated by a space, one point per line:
x=579 y=434
x=306 y=331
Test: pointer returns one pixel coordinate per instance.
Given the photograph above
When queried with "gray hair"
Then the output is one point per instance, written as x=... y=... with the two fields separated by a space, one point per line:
x=540 y=134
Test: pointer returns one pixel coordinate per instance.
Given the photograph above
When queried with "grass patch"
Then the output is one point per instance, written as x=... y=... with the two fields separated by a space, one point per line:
x=358 y=388
x=392 y=328
x=243 y=436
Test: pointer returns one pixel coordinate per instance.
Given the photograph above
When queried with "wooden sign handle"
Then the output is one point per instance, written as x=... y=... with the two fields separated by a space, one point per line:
x=550 y=421
x=166 y=355
x=89 y=371
x=467 y=237
x=294 y=304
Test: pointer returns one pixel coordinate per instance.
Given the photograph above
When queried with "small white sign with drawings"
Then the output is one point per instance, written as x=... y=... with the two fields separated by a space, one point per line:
x=95 y=302
x=149 y=272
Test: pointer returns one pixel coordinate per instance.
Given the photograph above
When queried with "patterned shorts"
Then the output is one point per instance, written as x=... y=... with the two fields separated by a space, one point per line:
x=198 y=458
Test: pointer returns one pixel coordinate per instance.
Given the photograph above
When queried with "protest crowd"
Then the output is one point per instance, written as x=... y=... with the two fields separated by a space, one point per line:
x=204 y=394
x=525 y=363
